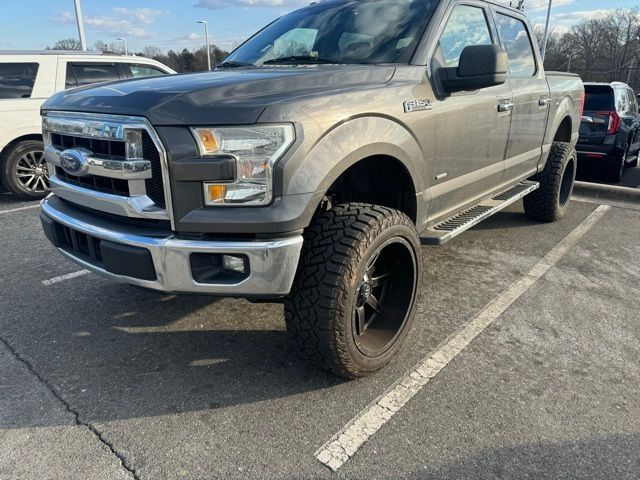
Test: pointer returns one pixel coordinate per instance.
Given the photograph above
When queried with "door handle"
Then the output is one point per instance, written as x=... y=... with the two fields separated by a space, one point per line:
x=543 y=102
x=505 y=107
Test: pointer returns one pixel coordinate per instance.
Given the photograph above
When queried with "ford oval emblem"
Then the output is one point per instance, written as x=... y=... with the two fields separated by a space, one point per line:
x=75 y=161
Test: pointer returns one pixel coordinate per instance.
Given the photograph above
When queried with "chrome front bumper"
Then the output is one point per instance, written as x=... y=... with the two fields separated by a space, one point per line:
x=272 y=263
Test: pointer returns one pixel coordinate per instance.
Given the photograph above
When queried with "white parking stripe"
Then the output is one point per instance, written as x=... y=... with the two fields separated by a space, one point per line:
x=337 y=451
x=68 y=276
x=19 y=209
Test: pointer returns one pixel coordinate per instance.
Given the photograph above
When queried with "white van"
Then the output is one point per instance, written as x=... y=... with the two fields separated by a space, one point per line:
x=27 y=79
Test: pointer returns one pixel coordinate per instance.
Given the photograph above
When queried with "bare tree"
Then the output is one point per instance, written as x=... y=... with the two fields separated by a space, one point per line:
x=66 y=44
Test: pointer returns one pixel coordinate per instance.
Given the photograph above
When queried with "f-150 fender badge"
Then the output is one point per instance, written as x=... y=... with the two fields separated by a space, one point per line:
x=417 y=105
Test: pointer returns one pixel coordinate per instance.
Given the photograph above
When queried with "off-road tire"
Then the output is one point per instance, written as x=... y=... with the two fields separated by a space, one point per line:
x=336 y=249
x=549 y=202
x=8 y=170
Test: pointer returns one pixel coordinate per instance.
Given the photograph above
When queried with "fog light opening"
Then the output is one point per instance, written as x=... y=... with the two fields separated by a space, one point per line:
x=218 y=268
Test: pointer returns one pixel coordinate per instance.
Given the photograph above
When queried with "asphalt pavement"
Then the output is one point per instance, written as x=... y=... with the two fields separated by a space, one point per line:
x=102 y=380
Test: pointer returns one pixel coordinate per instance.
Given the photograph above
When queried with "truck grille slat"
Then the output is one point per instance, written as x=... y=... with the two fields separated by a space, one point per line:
x=118 y=156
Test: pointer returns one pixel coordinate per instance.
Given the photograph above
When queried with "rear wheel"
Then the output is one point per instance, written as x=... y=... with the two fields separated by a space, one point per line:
x=24 y=170
x=549 y=203
x=353 y=299
x=616 y=170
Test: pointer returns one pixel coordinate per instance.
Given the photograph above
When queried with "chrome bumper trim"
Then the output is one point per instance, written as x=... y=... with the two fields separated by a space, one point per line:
x=121 y=169
x=272 y=263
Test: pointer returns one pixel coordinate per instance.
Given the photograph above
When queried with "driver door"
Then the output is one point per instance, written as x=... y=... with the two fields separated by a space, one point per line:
x=470 y=130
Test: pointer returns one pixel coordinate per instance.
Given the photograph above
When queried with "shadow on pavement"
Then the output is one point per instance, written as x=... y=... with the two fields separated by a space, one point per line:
x=630 y=178
x=609 y=457
x=506 y=219
x=146 y=354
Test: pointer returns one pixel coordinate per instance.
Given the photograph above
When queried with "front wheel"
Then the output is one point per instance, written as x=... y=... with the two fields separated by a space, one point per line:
x=24 y=170
x=354 y=296
x=549 y=203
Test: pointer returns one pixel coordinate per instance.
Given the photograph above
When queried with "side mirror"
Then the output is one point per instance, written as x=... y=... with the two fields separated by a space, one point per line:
x=480 y=66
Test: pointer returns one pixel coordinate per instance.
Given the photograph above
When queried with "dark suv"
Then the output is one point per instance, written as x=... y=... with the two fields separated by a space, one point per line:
x=609 y=130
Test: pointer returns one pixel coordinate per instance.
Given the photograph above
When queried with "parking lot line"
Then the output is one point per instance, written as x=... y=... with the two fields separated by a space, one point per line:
x=344 y=444
x=19 y=209
x=62 y=278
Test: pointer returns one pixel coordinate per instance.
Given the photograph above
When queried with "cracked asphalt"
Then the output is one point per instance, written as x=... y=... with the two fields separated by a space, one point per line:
x=106 y=381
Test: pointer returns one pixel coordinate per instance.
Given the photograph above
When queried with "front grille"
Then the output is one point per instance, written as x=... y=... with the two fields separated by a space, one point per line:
x=113 y=186
x=154 y=185
x=87 y=153
x=100 y=148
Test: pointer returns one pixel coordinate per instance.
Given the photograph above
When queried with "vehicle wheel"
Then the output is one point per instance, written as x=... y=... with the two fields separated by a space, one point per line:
x=354 y=296
x=549 y=203
x=616 y=170
x=24 y=170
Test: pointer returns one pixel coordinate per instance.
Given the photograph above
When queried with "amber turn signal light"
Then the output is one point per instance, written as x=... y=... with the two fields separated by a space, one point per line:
x=215 y=193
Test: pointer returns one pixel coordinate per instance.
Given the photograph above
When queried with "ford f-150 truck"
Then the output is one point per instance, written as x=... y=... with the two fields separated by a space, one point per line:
x=312 y=164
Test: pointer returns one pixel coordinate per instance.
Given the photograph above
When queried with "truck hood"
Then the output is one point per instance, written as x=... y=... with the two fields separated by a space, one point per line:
x=232 y=96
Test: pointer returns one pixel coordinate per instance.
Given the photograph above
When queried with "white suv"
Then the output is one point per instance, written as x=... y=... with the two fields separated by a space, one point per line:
x=26 y=81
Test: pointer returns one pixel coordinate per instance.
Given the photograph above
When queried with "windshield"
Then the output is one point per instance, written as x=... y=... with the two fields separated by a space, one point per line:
x=370 y=31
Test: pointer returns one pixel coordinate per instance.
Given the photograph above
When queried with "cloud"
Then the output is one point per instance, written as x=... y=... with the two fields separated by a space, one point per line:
x=191 y=37
x=534 y=5
x=562 y=22
x=218 y=4
x=126 y=22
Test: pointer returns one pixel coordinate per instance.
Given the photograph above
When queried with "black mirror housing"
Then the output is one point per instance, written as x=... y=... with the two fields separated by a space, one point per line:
x=480 y=66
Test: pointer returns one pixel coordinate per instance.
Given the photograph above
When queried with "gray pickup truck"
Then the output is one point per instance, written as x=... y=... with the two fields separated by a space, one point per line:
x=311 y=165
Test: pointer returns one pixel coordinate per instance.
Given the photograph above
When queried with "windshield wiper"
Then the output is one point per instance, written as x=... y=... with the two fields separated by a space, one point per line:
x=232 y=64
x=301 y=59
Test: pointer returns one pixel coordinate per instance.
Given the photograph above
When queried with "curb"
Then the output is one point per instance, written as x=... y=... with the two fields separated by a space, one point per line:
x=607 y=195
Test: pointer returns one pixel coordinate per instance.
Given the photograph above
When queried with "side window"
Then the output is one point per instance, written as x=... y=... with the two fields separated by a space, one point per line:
x=17 y=79
x=632 y=107
x=621 y=100
x=87 y=73
x=139 y=71
x=70 y=79
x=517 y=42
x=466 y=26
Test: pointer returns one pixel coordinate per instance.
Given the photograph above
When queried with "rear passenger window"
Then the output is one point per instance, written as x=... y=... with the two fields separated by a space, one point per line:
x=522 y=61
x=96 y=72
x=466 y=26
x=139 y=71
x=17 y=79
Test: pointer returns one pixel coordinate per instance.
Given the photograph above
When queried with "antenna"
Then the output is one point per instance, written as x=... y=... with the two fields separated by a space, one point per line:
x=520 y=5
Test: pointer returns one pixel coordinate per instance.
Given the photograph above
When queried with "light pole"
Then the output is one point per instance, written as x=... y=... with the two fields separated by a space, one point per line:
x=546 y=30
x=126 y=47
x=80 y=20
x=206 y=36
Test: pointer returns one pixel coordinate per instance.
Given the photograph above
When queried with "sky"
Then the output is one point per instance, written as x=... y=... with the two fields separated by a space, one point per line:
x=171 y=24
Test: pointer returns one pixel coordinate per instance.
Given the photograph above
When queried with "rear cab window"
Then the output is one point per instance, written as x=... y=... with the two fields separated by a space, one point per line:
x=17 y=80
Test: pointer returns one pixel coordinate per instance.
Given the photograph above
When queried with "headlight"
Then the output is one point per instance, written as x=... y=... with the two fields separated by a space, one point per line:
x=256 y=150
